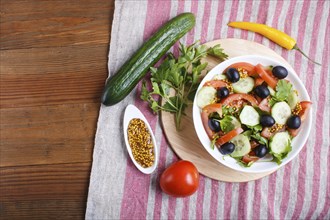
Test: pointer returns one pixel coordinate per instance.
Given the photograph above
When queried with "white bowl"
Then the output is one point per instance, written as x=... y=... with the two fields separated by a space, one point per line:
x=132 y=112
x=297 y=143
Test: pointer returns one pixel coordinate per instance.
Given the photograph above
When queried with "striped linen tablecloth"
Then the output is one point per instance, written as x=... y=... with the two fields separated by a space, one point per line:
x=299 y=190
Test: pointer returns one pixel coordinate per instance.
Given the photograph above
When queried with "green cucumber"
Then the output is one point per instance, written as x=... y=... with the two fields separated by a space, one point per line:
x=123 y=82
x=281 y=111
x=205 y=96
x=280 y=143
x=244 y=85
x=249 y=116
x=293 y=100
x=242 y=145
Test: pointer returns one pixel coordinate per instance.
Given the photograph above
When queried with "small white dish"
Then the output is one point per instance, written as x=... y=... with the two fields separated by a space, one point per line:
x=297 y=143
x=132 y=112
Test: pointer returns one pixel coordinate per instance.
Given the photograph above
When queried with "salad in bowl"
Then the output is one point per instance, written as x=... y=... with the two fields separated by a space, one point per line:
x=252 y=113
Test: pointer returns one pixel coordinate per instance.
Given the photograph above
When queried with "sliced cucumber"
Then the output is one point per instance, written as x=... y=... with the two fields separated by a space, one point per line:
x=249 y=116
x=244 y=85
x=280 y=143
x=271 y=90
x=206 y=96
x=242 y=145
x=293 y=100
x=219 y=77
x=281 y=111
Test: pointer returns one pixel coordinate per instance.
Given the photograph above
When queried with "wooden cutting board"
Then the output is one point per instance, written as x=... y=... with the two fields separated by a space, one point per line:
x=186 y=144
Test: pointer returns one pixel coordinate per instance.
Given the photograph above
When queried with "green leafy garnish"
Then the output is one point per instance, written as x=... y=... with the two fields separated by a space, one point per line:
x=226 y=124
x=214 y=140
x=283 y=89
x=241 y=163
x=260 y=139
x=177 y=78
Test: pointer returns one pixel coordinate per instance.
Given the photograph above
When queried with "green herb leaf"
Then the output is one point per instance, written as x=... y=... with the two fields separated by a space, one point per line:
x=217 y=51
x=226 y=124
x=260 y=139
x=283 y=89
x=178 y=74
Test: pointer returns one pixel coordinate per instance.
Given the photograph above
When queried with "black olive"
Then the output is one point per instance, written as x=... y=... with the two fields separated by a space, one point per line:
x=280 y=72
x=214 y=124
x=227 y=148
x=223 y=92
x=232 y=75
x=262 y=91
x=260 y=150
x=294 y=122
x=267 y=121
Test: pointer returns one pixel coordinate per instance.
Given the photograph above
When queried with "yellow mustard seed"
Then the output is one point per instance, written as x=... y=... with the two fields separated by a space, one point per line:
x=140 y=141
x=297 y=109
x=243 y=73
x=276 y=127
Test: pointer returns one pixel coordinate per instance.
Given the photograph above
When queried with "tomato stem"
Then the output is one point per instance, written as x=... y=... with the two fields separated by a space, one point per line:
x=297 y=48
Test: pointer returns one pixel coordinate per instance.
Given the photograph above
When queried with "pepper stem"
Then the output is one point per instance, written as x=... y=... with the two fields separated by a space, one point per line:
x=297 y=48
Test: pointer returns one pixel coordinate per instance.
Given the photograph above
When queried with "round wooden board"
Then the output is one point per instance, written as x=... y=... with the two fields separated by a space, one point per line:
x=186 y=144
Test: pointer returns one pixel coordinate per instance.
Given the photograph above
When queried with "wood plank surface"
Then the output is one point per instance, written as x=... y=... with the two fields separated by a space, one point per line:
x=47 y=134
x=53 y=56
x=44 y=192
x=72 y=74
x=53 y=23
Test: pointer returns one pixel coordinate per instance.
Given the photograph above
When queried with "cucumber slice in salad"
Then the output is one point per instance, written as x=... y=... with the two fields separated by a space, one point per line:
x=242 y=145
x=244 y=85
x=219 y=77
x=249 y=116
x=206 y=96
x=280 y=143
x=293 y=100
x=281 y=111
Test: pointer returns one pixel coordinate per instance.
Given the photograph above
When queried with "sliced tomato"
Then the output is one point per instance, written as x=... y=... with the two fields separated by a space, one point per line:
x=269 y=79
x=305 y=105
x=206 y=111
x=264 y=105
x=237 y=97
x=249 y=158
x=258 y=81
x=230 y=135
x=216 y=83
x=246 y=66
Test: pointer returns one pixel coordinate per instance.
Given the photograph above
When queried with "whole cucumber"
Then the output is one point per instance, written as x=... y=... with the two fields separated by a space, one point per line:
x=123 y=82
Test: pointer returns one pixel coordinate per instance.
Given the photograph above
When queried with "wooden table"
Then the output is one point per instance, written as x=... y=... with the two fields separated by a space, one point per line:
x=53 y=68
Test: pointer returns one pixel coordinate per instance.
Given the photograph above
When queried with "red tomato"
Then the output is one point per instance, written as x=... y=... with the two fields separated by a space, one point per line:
x=227 y=137
x=248 y=158
x=216 y=84
x=247 y=66
x=237 y=97
x=258 y=81
x=264 y=105
x=305 y=105
x=180 y=179
x=270 y=80
x=207 y=110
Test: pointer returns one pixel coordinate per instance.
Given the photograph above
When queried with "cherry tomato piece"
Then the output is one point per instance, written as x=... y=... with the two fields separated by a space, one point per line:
x=269 y=79
x=181 y=179
x=246 y=66
x=227 y=137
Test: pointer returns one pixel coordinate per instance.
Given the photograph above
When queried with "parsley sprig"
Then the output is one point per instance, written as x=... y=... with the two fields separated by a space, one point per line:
x=177 y=78
x=283 y=89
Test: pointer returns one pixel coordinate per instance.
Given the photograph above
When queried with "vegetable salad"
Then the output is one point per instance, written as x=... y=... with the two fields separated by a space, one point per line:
x=252 y=112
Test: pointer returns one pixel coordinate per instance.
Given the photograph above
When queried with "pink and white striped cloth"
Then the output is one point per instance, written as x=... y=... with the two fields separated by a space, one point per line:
x=299 y=190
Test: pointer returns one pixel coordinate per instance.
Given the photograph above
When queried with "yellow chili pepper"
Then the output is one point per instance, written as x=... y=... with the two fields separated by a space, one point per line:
x=272 y=34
